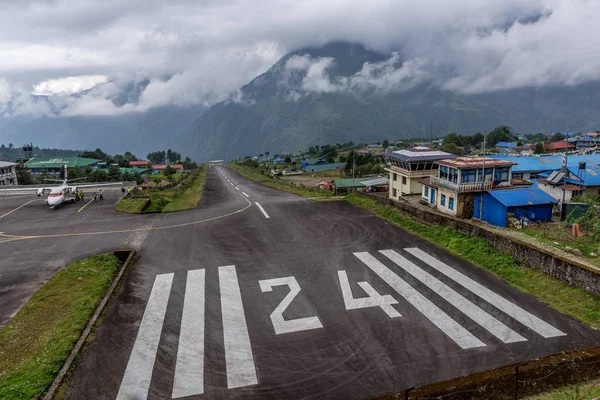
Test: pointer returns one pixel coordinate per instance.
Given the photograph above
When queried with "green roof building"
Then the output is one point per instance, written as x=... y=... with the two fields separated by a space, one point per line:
x=54 y=165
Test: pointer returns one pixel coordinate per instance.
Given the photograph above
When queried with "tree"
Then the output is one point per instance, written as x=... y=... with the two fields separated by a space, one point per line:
x=500 y=134
x=10 y=146
x=169 y=171
x=267 y=154
x=288 y=159
x=98 y=175
x=539 y=148
x=452 y=148
x=260 y=156
x=23 y=175
x=137 y=177
x=385 y=143
x=114 y=173
x=476 y=139
x=557 y=137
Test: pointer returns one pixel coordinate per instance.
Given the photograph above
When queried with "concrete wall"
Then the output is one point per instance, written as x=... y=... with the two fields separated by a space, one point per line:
x=444 y=208
x=556 y=191
x=412 y=185
x=562 y=268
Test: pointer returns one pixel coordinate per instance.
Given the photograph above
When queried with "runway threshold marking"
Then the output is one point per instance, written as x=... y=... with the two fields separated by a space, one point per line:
x=524 y=317
x=87 y=204
x=477 y=314
x=138 y=374
x=7 y=238
x=262 y=210
x=12 y=211
x=189 y=370
x=238 y=352
x=439 y=318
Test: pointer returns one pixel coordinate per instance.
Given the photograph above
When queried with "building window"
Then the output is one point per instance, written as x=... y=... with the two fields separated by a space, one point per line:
x=443 y=201
x=395 y=177
x=426 y=191
x=451 y=203
x=404 y=180
x=394 y=193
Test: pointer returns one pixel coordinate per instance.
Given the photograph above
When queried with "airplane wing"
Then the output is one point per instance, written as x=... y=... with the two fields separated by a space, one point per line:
x=94 y=185
x=25 y=190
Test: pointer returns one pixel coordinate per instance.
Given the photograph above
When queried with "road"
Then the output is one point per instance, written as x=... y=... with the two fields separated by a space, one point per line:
x=303 y=299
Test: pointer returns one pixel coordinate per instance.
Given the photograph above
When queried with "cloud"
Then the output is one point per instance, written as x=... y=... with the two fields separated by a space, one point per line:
x=68 y=85
x=201 y=52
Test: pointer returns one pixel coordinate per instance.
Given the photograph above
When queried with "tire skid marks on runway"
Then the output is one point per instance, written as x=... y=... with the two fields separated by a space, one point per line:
x=240 y=368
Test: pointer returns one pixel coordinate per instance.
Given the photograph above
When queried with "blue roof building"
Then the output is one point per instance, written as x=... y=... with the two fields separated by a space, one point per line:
x=531 y=203
x=506 y=144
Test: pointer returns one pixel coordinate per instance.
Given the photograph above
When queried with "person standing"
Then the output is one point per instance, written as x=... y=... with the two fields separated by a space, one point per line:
x=94 y=196
x=101 y=196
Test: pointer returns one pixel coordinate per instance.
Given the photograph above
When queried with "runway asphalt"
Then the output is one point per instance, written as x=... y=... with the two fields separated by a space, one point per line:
x=292 y=299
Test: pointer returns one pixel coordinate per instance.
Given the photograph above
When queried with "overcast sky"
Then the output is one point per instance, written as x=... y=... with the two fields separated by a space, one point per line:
x=199 y=52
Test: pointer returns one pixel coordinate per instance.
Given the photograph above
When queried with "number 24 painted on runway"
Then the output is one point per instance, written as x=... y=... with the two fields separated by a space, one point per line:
x=281 y=325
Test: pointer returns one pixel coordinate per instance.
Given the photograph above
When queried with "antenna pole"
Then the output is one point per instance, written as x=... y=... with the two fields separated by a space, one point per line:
x=483 y=177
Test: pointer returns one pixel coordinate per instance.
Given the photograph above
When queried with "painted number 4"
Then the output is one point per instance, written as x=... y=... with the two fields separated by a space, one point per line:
x=374 y=299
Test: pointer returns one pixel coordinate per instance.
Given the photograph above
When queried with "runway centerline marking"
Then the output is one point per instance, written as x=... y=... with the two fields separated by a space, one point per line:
x=244 y=193
x=88 y=203
x=12 y=211
x=237 y=188
x=9 y=238
x=262 y=209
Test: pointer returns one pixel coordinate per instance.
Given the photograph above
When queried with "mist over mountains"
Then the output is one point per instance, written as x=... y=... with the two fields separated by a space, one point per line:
x=339 y=92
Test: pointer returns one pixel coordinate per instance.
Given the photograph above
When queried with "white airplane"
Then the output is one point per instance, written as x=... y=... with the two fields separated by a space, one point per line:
x=61 y=193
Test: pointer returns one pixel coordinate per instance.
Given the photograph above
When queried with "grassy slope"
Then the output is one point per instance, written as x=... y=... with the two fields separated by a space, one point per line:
x=573 y=392
x=37 y=341
x=564 y=298
x=191 y=195
x=131 y=205
x=300 y=191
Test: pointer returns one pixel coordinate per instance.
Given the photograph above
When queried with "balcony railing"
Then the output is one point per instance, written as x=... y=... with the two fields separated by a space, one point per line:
x=461 y=187
x=405 y=172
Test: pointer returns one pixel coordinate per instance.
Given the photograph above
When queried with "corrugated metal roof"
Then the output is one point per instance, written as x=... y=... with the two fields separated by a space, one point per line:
x=522 y=197
x=473 y=162
x=323 y=167
x=59 y=162
x=506 y=144
x=420 y=154
x=376 y=182
x=346 y=183
x=6 y=164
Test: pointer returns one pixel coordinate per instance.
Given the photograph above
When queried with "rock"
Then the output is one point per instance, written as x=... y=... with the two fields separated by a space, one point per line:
x=567 y=248
x=592 y=254
x=577 y=252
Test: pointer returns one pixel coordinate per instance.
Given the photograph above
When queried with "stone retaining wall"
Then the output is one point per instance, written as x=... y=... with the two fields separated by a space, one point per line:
x=569 y=271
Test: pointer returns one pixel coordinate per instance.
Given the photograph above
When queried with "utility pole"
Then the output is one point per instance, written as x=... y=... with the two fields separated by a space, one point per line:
x=565 y=177
x=483 y=176
x=431 y=131
x=353 y=164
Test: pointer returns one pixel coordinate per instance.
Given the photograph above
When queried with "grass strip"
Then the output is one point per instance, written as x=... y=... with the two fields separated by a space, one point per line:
x=131 y=205
x=189 y=194
x=566 y=299
x=572 y=392
x=255 y=175
x=36 y=342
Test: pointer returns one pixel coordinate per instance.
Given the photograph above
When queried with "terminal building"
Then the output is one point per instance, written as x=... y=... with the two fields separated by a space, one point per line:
x=408 y=167
x=55 y=165
x=8 y=174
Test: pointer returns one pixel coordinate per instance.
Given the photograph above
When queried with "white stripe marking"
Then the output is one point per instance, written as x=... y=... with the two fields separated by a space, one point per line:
x=262 y=209
x=237 y=188
x=450 y=327
x=231 y=183
x=189 y=370
x=238 y=352
x=478 y=315
x=244 y=193
x=136 y=381
x=524 y=317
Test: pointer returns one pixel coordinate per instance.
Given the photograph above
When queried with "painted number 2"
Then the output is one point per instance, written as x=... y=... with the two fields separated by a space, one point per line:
x=293 y=325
